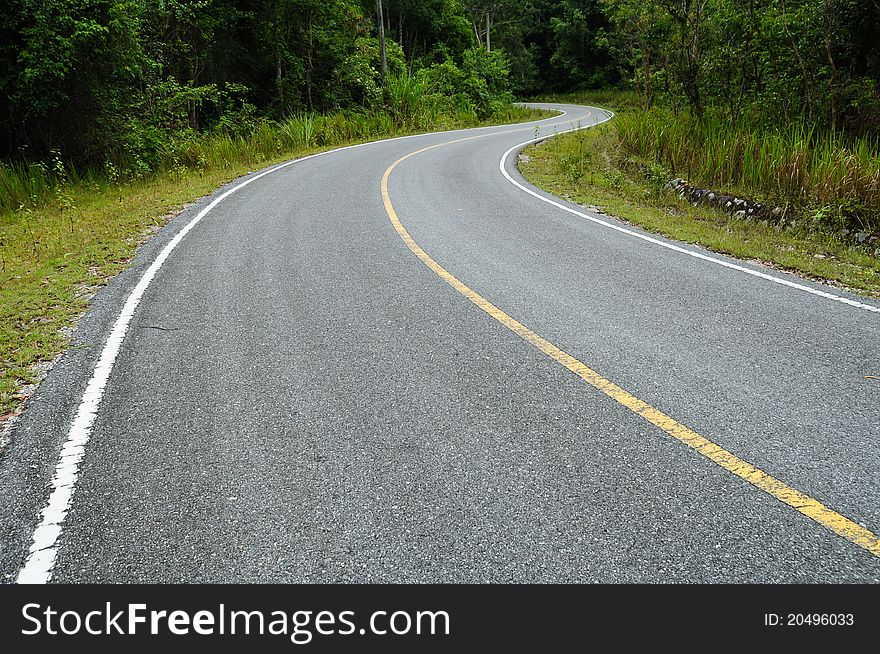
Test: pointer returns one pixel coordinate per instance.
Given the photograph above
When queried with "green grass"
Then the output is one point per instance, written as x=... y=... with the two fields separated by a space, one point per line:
x=819 y=176
x=63 y=234
x=590 y=167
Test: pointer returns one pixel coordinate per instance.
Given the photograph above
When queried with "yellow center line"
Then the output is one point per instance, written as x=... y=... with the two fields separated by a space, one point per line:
x=801 y=502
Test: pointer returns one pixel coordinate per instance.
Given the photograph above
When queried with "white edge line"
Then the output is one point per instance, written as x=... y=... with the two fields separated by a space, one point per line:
x=502 y=165
x=41 y=555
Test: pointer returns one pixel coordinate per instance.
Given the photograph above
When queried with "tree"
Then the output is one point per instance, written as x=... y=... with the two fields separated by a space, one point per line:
x=380 y=20
x=641 y=28
x=69 y=77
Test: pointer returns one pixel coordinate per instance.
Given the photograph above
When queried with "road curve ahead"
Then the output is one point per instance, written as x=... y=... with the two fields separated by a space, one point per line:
x=399 y=362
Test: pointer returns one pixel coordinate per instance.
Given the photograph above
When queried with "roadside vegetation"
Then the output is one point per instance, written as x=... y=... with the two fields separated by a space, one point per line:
x=622 y=168
x=774 y=101
x=115 y=114
x=64 y=233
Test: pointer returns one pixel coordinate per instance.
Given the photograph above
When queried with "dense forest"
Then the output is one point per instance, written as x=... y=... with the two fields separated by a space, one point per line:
x=97 y=81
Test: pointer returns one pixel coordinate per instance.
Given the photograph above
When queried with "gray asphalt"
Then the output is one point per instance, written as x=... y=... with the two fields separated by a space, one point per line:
x=299 y=398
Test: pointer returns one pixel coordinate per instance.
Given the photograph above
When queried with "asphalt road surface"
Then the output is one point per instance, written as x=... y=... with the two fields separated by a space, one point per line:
x=300 y=396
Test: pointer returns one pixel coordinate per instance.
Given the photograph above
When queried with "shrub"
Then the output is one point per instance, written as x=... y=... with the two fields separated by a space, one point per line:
x=479 y=86
x=836 y=177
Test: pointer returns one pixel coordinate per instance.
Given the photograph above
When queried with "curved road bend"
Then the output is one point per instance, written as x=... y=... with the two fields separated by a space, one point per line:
x=299 y=397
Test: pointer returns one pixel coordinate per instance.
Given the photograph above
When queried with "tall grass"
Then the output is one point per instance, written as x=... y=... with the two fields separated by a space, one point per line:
x=27 y=185
x=63 y=230
x=405 y=93
x=614 y=99
x=821 y=174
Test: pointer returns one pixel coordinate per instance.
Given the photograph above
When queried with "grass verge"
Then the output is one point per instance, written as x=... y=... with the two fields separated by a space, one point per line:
x=58 y=249
x=591 y=167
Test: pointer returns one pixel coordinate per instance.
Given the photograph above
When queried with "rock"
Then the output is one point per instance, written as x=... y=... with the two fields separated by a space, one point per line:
x=745 y=209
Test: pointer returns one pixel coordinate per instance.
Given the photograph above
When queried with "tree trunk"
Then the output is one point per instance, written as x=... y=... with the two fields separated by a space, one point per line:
x=276 y=21
x=310 y=66
x=807 y=78
x=382 y=54
x=488 y=31
x=278 y=73
x=829 y=27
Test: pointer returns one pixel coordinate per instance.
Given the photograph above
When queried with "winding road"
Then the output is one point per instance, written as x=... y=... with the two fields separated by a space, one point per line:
x=401 y=362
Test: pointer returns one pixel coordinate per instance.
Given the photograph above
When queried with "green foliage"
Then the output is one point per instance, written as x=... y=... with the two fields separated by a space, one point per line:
x=405 y=95
x=126 y=84
x=67 y=74
x=358 y=78
x=780 y=62
x=580 y=46
x=427 y=30
x=626 y=188
x=62 y=232
x=491 y=67
x=130 y=87
x=147 y=150
x=479 y=86
x=797 y=166
x=551 y=45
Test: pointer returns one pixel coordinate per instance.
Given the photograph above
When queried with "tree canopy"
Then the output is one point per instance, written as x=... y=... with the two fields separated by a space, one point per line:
x=87 y=78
